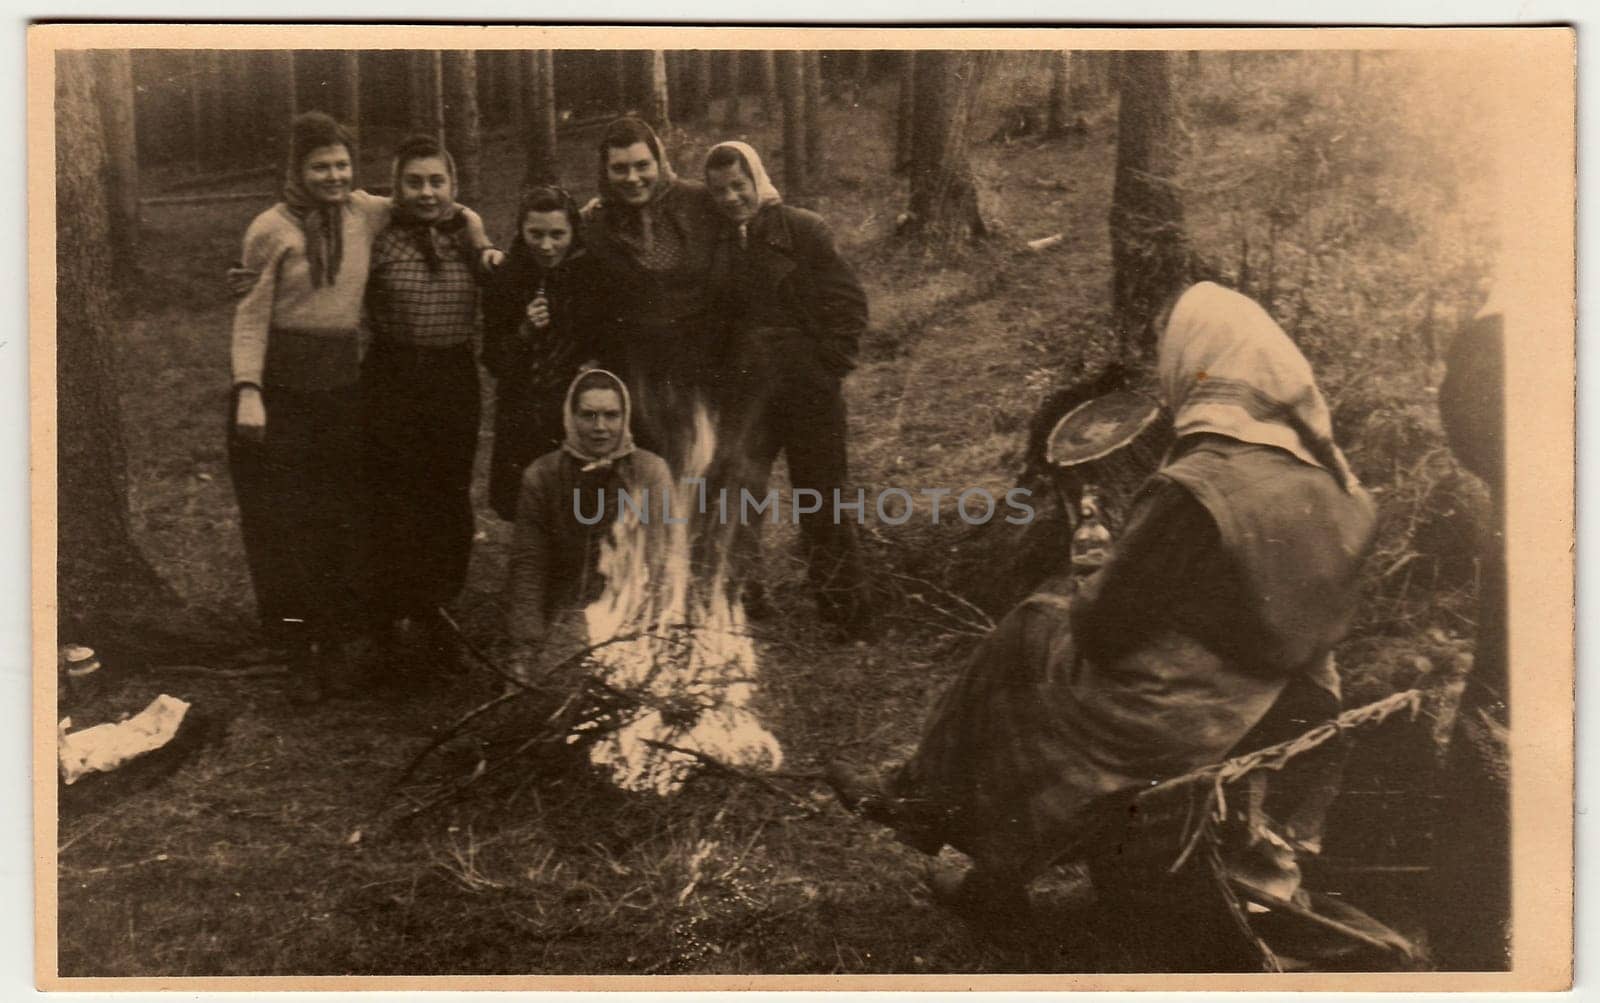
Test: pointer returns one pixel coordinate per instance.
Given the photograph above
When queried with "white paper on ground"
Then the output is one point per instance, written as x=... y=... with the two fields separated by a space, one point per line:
x=105 y=747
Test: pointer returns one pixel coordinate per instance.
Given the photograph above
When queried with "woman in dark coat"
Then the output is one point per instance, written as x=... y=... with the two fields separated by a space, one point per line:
x=651 y=236
x=540 y=326
x=1209 y=630
x=795 y=315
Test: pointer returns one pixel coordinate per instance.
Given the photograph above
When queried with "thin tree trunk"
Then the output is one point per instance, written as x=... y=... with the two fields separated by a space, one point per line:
x=944 y=195
x=280 y=100
x=100 y=574
x=350 y=92
x=518 y=91
x=905 y=123
x=622 y=82
x=791 y=67
x=771 y=104
x=463 y=131
x=730 y=113
x=113 y=87
x=210 y=119
x=541 y=127
x=1149 y=248
x=427 y=93
x=1057 y=119
x=813 y=114
x=660 y=112
x=702 y=82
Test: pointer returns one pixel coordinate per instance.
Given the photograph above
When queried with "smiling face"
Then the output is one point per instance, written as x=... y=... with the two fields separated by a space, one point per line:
x=632 y=172
x=598 y=416
x=425 y=187
x=327 y=173
x=734 y=192
x=548 y=235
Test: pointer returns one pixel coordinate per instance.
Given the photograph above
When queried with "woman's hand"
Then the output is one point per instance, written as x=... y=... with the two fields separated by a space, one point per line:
x=241 y=279
x=489 y=258
x=539 y=312
x=250 y=416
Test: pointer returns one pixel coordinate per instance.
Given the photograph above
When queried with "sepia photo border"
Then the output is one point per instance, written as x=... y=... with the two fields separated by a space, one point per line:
x=1530 y=69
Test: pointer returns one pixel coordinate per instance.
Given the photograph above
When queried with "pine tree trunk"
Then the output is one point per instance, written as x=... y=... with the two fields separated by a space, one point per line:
x=541 y=127
x=211 y=129
x=771 y=104
x=659 y=113
x=622 y=83
x=280 y=100
x=113 y=80
x=731 y=116
x=702 y=82
x=813 y=115
x=427 y=93
x=1149 y=248
x=102 y=577
x=905 y=123
x=1057 y=119
x=944 y=196
x=463 y=131
x=791 y=69
x=349 y=73
x=518 y=87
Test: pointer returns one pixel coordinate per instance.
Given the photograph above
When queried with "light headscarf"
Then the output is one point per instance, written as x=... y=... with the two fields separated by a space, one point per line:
x=1225 y=366
x=573 y=444
x=765 y=189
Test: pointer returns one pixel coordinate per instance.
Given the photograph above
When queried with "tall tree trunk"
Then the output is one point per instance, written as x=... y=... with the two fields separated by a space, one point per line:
x=622 y=82
x=659 y=112
x=731 y=113
x=113 y=88
x=1149 y=248
x=211 y=129
x=1060 y=109
x=702 y=82
x=791 y=67
x=541 y=127
x=771 y=104
x=427 y=92
x=463 y=132
x=813 y=114
x=1085 y=79
x=349 y=89
x=518 y=73
x=280 y=100
x=905 y=123
x=944 y=195
x=102 y=577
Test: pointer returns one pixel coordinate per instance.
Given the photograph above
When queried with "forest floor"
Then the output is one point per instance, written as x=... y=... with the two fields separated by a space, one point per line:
x=263 y=855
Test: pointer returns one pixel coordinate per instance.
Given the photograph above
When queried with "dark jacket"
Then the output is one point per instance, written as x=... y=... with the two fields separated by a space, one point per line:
x=554 y=556
x=790 y=278
x=636 y=295
x=572 y=289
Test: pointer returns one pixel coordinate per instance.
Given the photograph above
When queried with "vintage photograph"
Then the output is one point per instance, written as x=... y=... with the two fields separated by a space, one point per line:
x=553 y=503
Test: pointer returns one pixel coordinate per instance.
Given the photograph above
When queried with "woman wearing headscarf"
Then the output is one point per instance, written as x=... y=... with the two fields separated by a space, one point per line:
x=795 y=314
x=421 y=397
x=651 y=236
x=539 y=326
x=294 y=443
x=1208 y=632
x=571 y=498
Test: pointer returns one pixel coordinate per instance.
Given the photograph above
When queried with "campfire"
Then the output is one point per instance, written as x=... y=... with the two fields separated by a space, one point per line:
x=676 y=641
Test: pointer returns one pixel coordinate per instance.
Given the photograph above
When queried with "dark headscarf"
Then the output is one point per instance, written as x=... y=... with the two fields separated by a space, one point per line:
x=429 y=235
x=635 y=226
x=322 y=222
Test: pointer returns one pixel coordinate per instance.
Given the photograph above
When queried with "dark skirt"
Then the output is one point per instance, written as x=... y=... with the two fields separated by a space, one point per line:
x=527 y=425
x=300 y=511
x=422 y=410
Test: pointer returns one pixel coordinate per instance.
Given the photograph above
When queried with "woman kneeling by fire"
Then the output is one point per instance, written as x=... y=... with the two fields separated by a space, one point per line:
x=1207 y=633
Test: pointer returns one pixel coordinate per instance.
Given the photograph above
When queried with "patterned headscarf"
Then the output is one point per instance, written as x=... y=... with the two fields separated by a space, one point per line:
x=322 y=222
x=447 y=227
x=650 y=239
x=1225 y=366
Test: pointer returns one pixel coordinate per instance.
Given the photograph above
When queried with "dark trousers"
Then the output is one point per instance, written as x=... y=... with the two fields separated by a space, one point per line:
x=421 y=430
x=780 y=399
x=299 y=492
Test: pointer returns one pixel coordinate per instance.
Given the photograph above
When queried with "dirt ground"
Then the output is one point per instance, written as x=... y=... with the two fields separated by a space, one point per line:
x=272 y=852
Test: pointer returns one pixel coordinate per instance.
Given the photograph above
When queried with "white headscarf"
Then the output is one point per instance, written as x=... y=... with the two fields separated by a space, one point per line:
x=574 y=442
x=766 y=191
x=1225 y=366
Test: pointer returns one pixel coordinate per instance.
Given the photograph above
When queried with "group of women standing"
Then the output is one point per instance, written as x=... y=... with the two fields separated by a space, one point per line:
x=355 y=367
